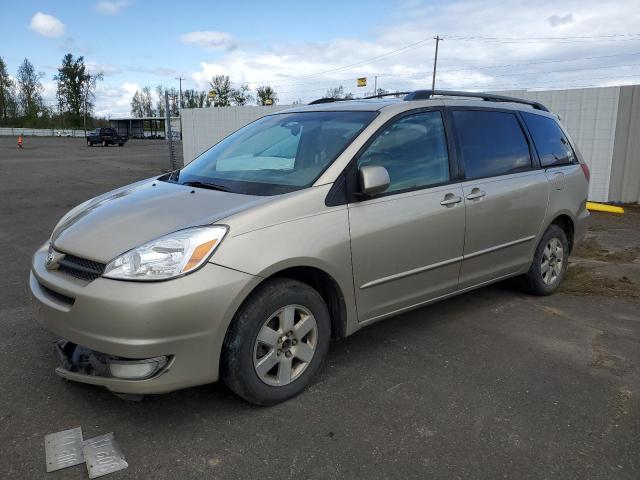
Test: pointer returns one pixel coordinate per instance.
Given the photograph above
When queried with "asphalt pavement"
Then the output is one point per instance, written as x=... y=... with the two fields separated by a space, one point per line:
x=491 y=384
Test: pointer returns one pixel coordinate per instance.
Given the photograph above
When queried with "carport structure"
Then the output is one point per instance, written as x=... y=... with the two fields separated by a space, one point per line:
x=139 y=127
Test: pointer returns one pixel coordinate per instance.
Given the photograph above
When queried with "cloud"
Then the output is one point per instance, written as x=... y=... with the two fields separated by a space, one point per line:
x=108 y=7
x=558 y=21
x=209 y=40
x=115 y=101
x=106 y=68
x=47 y=25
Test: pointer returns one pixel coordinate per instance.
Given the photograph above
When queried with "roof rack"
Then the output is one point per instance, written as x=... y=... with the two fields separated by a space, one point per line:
x=488 y=97
x=427 y=94
x=329 y=100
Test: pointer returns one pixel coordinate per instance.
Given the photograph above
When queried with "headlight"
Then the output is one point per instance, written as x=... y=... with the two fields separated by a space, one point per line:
x=170 y=256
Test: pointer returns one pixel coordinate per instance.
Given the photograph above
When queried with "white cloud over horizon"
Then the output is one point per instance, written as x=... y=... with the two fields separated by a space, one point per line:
x=110 y=7
x=47 y=25
x=209 y=40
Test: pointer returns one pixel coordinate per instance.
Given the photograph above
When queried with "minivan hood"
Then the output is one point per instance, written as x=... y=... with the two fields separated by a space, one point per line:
x=126 y=218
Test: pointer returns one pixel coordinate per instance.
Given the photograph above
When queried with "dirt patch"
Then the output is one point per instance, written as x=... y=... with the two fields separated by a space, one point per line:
x=580 y=280
x=590 y=248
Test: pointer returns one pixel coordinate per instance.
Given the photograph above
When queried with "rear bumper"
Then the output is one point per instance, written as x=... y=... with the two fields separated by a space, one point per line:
x=580 y=226
x=184 y=319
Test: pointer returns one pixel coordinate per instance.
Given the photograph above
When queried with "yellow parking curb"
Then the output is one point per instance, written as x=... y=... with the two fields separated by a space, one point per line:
x=603 y=207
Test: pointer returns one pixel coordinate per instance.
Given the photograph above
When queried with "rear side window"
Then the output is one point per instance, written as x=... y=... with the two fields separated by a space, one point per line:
x=414 y=151
x=491 y=143
x=551 y=143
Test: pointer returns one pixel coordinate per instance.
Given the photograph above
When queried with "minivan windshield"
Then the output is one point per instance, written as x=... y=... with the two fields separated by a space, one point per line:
x=276 y=154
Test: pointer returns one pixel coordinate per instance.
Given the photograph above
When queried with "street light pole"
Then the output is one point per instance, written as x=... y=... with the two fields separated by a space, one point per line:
x=437 y=38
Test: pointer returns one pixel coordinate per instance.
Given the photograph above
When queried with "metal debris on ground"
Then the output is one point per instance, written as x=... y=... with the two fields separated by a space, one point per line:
x=103 y=455
x=67 y=448
x=63 y=449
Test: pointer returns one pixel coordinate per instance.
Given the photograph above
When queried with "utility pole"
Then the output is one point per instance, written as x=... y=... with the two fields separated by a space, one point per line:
x=375 y=85
x=180 y=105
x=437 y=38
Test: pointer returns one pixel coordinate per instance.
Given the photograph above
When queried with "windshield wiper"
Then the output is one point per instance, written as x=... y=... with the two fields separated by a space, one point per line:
x=210 y=186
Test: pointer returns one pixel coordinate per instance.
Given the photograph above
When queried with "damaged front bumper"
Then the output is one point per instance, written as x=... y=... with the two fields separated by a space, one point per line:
x=84 y=361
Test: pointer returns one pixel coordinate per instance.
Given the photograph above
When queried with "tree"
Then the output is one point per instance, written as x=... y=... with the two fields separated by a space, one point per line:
x=160 y=105
x=7 y=94
x=29 y=90
x=221 y=90
x=241 y=96
x=338 y=93
x=141 y=103
x=72 y=77
x=266 y=95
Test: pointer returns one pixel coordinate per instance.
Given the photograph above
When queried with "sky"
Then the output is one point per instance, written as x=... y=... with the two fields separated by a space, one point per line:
x=302 y=48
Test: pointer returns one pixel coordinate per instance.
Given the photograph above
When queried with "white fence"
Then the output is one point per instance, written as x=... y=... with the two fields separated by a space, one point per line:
x=40 y=132
x=204 y=127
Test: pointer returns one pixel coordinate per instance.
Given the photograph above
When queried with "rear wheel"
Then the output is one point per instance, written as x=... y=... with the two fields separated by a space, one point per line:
x=104 y=143
x=277 y=342
x=120 y=144
x=549 y=263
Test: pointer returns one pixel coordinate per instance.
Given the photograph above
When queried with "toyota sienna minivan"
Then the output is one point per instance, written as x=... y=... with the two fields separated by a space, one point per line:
x=306 y=225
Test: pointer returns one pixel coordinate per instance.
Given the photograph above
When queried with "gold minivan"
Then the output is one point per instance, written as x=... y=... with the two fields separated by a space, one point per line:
x=303 y=226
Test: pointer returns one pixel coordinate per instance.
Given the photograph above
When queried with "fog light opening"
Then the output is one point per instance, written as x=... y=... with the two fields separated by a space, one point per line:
x=136 y=369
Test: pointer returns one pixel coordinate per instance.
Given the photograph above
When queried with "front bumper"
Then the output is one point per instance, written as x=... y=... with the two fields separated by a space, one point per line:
x=185 y=319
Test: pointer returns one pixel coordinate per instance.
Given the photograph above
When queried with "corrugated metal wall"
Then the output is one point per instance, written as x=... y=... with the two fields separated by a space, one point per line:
x=204 y=127
x=590 y=116
x=625 y=171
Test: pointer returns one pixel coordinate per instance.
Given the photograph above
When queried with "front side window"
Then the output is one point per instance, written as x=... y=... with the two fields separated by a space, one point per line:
x=276 y=154
x=491 y=143
x=551 y=143
x=414 y=151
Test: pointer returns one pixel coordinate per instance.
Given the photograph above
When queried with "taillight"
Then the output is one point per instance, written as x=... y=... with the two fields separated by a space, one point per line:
x=585 y=170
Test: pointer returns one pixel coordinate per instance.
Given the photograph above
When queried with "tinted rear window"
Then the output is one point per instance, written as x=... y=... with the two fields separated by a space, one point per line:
x=551 y=143
x=491 y=143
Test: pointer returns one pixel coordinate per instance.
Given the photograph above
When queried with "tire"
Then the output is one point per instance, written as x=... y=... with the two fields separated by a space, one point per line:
x=544 y=279
x=255 y=370
x=104 y=143
x=89 y=144
x=120 y=144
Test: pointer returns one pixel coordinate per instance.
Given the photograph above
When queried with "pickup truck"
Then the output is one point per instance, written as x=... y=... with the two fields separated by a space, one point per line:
x=105 y=136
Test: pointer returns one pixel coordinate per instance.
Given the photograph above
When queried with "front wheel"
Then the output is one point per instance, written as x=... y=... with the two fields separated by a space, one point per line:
x=104 y=143
x=120 y=144
x=89 y=144
x=549 y=263
x=277 y=342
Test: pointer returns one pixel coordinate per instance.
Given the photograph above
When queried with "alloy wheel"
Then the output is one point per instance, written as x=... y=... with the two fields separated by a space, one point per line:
x=552 y=261
x=285 y=345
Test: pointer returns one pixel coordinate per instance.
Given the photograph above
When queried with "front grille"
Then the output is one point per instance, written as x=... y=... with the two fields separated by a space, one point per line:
x=81 y=267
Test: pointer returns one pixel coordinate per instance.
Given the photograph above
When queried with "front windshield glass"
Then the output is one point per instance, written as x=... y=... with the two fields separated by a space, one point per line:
x=275 y=154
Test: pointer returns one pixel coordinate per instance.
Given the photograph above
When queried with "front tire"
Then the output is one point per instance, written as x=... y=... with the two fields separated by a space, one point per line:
x=549 y=263
x=104 y=143
x=89 y=144
x=277 y=342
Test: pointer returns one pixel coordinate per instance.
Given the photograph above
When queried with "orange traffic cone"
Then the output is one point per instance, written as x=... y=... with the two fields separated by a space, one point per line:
x=19 y=141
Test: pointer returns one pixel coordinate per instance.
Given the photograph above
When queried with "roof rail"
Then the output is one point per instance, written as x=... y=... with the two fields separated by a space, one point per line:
x=488 y=97
x=328 y=100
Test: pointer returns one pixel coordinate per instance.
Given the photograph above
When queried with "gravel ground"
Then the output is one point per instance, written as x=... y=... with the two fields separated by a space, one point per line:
x=491 y=384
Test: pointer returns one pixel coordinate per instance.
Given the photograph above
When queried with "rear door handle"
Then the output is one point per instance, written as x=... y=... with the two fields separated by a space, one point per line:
x=475 y=194
x=450 y=199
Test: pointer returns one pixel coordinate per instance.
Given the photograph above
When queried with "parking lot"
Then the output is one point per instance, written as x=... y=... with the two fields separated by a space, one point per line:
x=490 y=384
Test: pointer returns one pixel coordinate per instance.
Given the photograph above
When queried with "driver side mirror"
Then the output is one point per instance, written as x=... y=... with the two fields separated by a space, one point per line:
x=373 y=179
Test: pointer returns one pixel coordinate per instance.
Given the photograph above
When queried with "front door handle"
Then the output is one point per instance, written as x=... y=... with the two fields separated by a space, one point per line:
x=450 y=199
x=475 y=194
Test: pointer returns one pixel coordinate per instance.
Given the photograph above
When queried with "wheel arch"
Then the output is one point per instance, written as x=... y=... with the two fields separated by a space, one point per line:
x=565 y=222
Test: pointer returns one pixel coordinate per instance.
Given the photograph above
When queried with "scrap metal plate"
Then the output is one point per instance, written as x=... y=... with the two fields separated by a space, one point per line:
x=63 y=449
x=103 y=455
